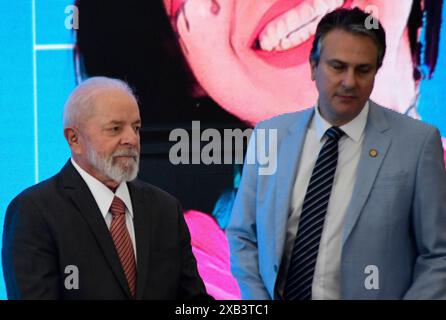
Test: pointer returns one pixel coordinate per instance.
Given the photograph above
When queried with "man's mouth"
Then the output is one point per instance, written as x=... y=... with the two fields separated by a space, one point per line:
x=129 y=155
x=346 y=97
x=294 y=26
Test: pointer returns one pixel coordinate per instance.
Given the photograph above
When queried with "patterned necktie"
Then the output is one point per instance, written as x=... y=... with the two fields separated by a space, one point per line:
x=311 y=222
x=123 y=243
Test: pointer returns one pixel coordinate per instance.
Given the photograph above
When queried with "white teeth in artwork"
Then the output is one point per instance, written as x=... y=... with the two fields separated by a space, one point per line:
x=266 y=44
x=292 y=19
x=296 y=25
x=285 y=44
x=281 y=29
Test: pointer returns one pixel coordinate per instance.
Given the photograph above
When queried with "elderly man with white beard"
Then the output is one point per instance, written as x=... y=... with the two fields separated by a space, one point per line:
x=93 y=231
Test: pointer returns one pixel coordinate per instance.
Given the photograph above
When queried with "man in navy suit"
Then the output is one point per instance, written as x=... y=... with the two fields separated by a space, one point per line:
x=357 y=206
x=92 y=231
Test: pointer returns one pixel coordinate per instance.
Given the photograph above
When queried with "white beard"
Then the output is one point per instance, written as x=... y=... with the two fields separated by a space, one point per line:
x=116 y=172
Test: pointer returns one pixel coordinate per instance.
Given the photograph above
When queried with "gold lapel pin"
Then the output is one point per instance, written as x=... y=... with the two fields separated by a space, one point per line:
x=373 y=153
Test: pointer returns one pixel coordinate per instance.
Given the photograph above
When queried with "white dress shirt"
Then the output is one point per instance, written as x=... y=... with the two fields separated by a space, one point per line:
x=326 y=280
x=104 y=198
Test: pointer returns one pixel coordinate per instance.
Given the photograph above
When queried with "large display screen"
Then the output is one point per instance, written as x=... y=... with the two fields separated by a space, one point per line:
x=242 y=55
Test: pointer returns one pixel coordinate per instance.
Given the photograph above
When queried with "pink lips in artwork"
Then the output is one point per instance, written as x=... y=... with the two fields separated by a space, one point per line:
x=285 y=33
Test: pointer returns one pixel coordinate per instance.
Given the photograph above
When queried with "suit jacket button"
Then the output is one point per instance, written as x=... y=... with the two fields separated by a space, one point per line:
x=275 y=268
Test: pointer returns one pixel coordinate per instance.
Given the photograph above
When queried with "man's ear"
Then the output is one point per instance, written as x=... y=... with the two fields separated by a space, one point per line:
x=313 y=65
x=72 y=137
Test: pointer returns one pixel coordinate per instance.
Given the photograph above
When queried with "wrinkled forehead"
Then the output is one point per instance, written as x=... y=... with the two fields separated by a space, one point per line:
x=113 y=102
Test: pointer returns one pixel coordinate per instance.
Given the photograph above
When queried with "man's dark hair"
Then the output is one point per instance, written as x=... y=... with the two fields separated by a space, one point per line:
x=354 y=21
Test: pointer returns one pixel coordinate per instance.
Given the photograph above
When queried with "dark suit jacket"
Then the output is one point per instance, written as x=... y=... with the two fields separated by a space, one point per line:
x=57 y=223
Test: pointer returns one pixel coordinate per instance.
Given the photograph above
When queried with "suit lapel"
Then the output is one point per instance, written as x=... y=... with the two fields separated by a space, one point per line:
x=142 y=236
x=368 y=166
x=288 y=162
x=83 y=200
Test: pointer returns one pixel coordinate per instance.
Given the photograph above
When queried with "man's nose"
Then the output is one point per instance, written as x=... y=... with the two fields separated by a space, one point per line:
x=349 y=79
x=130 y=136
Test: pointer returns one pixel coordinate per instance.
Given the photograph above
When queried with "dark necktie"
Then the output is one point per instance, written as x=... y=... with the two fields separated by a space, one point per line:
x=299 y=281
x=123 y=243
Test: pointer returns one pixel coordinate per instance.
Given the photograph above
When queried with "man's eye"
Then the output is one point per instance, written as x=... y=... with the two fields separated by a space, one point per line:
x=137 y=128
x=337 y=67
x=114 y=129
x=364 y=70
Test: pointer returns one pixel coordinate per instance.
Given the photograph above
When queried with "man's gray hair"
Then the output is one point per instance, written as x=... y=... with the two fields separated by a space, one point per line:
x=79 y=105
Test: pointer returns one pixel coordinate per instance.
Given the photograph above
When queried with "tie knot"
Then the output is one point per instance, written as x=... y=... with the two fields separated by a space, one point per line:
x=334 y=133
x=117 y=207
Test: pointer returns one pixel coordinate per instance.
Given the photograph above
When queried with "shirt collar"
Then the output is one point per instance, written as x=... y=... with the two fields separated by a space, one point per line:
x=353 y=129
x=102 y=194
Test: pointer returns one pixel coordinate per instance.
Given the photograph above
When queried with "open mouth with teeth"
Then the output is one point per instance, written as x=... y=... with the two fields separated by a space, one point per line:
x=285 y=33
